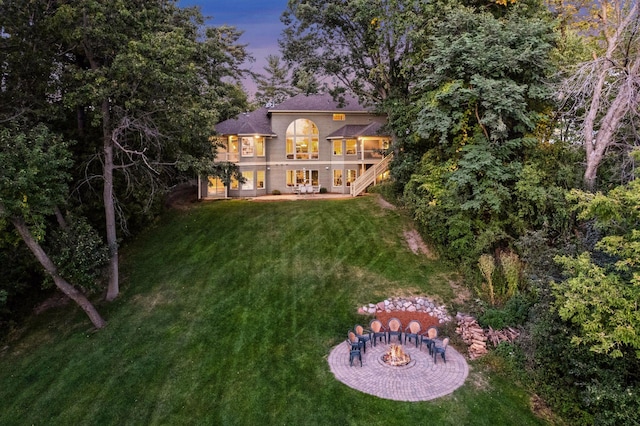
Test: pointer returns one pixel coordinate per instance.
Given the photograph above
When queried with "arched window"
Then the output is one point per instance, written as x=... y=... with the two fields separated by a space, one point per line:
x=302 y=140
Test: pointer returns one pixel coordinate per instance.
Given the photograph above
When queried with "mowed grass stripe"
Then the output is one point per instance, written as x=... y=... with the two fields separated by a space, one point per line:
x=227 y=314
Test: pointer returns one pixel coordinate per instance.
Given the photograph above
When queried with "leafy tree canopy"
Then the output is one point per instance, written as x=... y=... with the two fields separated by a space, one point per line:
x=601 y=293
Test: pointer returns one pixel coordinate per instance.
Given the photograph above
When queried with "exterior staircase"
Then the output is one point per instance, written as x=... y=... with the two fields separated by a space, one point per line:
x=370 y=176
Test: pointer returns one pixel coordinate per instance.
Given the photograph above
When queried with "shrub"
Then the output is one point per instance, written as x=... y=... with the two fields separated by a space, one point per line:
x=487 y=265
x=323 y=190
x=276 y=192
x=514 y=313
x=79 y=253
x=512 y=271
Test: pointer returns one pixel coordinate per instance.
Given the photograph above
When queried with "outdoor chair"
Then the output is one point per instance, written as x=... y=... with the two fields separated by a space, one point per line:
x=364 y=336
x=377 y=331
x=394 y=328
x=413 y=332
x=429 y=338
x=353 y=340
x=440 y=350
x=355 y=346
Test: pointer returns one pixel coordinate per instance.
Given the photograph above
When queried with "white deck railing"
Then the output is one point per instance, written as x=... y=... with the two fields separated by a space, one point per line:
x=370 y=176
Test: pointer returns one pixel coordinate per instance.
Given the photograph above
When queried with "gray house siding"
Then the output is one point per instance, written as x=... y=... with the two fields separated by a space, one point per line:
x=275 y=165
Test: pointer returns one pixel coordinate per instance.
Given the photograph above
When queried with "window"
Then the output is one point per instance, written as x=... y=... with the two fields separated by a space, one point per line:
x=337 y=147
x=215 y=187
x=227 y=149
x=339 y=117
x=351 y=146
x=351 y=176
x=337 y=178
x=302 y=141
x=302 y=177
x=248 y=180
x=234 y=183
x=259 y=140
x=247 y=147
x=233 y=145
x=260 y=179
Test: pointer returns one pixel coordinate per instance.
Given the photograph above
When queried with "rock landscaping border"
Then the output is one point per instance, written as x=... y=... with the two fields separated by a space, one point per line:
x=408 y=304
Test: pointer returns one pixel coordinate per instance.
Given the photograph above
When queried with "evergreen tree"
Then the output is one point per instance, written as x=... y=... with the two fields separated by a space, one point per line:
x=274 y=86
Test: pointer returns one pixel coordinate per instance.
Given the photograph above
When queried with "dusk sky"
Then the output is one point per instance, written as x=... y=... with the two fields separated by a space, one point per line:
x=258 y=19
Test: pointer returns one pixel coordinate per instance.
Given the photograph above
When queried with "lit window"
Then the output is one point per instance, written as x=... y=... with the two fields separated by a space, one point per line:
x=351 y=176
x=248 y=180
x=302 y=141
x=260 y=179
x=339 y=117
x=233 y=144
x=337 y=178
x=302 y=177
x=351 y=146
x=259 y=141
x=227 y=149
x=247 y=147
x=337 y=147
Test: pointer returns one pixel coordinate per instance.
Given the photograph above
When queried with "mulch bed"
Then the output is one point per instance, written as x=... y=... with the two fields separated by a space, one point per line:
x=426 y=320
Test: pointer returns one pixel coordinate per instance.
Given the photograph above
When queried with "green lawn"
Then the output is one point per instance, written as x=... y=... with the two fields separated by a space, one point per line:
x=227 y=314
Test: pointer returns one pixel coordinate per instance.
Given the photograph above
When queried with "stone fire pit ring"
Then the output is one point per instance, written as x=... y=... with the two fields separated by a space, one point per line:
x=420 y=380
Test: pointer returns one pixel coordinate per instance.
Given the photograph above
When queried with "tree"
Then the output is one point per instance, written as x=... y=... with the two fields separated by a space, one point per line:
x=275 y=86
x=305 y=82
x=366 y=47
x=226 y=172
x=601 y=293
x=482 y=98
x=603 y=95
x=150 y=84
x=371 y=49
x=33 y=182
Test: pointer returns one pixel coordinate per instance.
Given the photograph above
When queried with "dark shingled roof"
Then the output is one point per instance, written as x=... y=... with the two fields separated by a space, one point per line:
x=249 y=123
x=258 y=122
x=352 y=131
x=321 y=102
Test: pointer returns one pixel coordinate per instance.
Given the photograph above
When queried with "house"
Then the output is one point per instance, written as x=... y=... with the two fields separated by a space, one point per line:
x=308 y=140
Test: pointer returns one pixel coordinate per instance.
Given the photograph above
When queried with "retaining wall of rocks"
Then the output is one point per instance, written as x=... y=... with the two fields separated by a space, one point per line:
x=407 y=304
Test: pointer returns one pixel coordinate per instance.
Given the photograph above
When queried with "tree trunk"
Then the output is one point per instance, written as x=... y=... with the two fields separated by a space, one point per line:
x=52 y=270
x=597 y=142
x=605 y=136
x=113 y=288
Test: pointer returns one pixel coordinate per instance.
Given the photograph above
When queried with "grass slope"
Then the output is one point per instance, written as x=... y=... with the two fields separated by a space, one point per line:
x=227 y=315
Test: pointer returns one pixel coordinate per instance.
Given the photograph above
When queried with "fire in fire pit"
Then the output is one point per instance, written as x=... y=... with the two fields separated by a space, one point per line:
x=395 y=356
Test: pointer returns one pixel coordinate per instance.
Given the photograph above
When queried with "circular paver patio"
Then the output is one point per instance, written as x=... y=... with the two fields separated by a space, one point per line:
x=420 y=380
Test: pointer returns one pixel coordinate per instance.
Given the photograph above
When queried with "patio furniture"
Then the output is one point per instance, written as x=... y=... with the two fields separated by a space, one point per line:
x=353 y=340
x=394 y=328
x=377 y=331
x=440 y=350
x=429 y=338
x=354 y=352
x=363 y=335
x=413 y=332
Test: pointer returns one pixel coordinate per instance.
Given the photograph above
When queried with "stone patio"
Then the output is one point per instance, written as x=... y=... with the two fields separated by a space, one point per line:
x=420 y=380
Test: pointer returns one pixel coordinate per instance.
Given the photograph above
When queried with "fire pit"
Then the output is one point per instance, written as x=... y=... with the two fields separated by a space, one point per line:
x=395 y=356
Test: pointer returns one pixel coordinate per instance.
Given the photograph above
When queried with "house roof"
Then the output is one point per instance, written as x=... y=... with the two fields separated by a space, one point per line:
x=319 y=103
x=353 y=131
x=249 y=123
x=258 y=122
